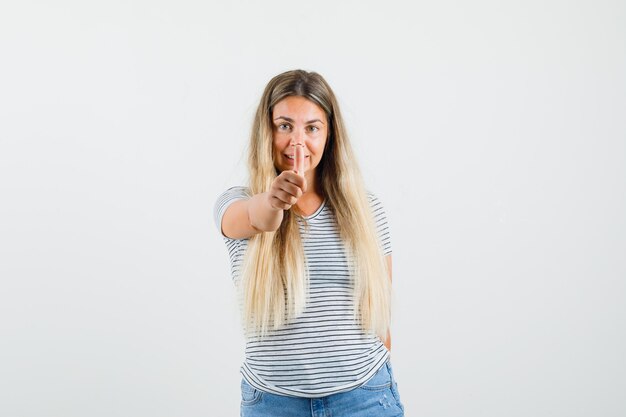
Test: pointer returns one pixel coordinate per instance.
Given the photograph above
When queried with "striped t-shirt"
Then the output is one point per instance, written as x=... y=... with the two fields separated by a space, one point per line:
x=324 y=351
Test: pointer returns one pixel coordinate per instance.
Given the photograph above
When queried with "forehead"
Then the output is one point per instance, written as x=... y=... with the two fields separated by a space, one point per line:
x=298 y=108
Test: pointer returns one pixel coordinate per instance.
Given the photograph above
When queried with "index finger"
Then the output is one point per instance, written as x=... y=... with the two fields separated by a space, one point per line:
x=299 y=160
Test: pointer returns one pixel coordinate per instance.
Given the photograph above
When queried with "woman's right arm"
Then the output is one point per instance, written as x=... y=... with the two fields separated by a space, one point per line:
x=263 y=212
x=246 y=218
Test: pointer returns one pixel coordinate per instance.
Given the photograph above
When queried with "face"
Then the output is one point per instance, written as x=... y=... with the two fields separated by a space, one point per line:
x=298 y=120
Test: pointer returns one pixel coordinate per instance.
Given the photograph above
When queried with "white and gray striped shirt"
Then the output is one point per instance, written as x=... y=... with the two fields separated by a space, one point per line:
x=324 y=351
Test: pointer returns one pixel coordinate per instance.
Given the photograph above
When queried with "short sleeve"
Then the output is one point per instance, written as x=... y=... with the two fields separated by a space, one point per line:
x=226 y=199
x=382 y=226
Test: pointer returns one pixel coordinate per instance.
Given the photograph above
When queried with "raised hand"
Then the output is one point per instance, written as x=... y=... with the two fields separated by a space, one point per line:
x=289 y=186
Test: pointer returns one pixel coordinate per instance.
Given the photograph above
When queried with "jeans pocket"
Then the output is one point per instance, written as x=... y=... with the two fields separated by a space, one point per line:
x=380 y=381
x=249 y=394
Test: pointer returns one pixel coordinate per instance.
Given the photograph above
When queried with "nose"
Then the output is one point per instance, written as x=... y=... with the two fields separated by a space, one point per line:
x=297 y=138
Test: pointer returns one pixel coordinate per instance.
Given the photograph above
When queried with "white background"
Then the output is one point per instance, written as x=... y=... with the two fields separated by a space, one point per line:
x=494 y=133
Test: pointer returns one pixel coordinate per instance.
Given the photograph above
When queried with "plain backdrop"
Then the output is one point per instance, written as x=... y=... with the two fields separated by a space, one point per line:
x=494 y=132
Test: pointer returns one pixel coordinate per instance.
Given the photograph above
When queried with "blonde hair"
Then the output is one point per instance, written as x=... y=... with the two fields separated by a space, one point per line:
x=274 y=277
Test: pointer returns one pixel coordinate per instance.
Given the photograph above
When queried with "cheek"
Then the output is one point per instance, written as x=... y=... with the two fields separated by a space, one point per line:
x=280 y=141
x=276 y=155
x=318 y=148
x=276 y=144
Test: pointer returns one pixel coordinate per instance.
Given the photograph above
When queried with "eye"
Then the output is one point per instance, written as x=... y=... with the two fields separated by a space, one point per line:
x=284 y=126
x=314 y=129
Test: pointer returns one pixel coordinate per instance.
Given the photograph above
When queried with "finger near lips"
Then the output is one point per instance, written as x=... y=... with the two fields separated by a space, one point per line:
x=299 y=159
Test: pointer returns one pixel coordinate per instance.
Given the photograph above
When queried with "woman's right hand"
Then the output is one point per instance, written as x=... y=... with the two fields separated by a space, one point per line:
x=289 y=186
x=247 y=217
x=286 y=189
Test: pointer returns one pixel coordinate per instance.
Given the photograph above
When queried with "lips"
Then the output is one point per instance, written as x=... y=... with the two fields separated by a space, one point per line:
x=291 y=161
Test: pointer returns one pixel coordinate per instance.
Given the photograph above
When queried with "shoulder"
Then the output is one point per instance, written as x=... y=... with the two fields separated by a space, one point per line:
x=231 y=195
x=370 y=195
x=237 y=191
x=374 y=201
x=378 y=209
x=226 y=198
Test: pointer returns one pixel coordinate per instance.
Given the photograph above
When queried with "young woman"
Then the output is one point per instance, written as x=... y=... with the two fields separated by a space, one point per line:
x=310 y=254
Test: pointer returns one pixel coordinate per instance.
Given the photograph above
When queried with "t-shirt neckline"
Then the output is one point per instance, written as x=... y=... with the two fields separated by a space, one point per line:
x=316 y=212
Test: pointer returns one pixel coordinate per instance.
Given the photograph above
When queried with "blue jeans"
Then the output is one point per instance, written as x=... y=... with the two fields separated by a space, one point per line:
x=378 y=397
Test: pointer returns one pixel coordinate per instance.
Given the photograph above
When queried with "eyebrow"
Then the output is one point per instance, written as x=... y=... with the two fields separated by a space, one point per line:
x=291 y=120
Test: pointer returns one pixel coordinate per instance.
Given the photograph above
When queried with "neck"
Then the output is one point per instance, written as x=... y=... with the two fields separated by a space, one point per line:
x=312 y=188
x=311 y=199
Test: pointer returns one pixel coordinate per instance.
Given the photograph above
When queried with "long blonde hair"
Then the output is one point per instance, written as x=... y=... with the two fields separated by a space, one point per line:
x=274 y=277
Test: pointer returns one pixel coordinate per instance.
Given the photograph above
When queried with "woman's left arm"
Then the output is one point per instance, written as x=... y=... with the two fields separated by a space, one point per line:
x=388 y=342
